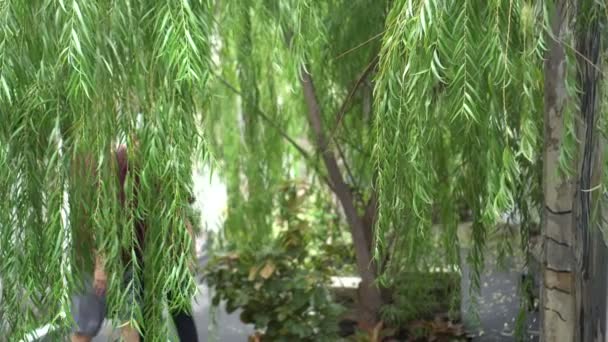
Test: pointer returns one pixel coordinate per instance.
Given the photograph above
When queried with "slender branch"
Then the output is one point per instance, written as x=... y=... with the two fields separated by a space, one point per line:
x=353 y=146
x=311 y=100
x=376 y=36
x=267 y=118
x=272 y=124
x=316 y=122
x=575 y=50
x=342 y=111
x=346 y=166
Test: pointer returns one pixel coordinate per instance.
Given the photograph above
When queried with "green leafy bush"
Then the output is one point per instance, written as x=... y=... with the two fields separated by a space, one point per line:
x=276 y=292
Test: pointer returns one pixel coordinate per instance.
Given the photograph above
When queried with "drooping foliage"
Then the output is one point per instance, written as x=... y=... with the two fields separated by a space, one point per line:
x=460 y=83
x=257 y=119
x=75 y=76
x=309 y=65
x=456 y=118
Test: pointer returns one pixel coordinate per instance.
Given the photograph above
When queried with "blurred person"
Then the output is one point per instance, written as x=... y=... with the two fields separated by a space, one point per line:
x=89 y=303
x=184 y=323
x=89 y=299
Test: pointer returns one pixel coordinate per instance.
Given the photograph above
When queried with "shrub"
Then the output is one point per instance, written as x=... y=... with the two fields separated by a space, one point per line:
x=276 y=292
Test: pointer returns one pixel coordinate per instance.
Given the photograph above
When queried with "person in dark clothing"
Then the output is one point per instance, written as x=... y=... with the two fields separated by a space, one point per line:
x=184 y=323
x=89 y=306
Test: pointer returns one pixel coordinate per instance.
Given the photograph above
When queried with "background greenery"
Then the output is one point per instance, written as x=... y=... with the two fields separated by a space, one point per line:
x=365 y=130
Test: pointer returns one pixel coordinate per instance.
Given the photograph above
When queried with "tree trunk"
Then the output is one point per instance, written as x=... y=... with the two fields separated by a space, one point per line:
x=370 y=299
x=591 y=253
x=591 y=307
x=369 y=219
x=557 y=289
x=573 y=292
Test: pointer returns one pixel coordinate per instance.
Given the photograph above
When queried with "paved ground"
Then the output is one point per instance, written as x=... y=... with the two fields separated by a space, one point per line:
x=228 y=327
x=498 y=304
x=498 y=309
x=225 y=328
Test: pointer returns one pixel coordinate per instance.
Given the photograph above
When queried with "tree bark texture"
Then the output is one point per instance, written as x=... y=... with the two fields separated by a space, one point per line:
x=370 y=298
x=558 y=264
x=590 y=249
x=573 y=291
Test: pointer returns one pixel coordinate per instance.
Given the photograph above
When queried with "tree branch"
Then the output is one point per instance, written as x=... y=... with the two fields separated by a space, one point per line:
x=268 y=120
x=316 y=122
x=285 y=136
x=346 y=166
x=365 y=263
x=342 y=111
x=369 y=217
x=353 y=146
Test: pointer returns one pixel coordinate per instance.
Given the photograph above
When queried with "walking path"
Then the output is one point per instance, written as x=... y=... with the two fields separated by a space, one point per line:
x=498 y=304
x=229 y=328
x=225 y=328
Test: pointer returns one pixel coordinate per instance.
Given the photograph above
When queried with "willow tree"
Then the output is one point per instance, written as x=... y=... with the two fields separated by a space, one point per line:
x=74 y=76
x=458 y=119
x=463 y=85
x=460 y=84
x=293 y=104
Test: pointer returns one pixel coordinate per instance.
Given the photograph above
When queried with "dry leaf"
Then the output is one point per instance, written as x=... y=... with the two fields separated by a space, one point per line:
x=268 y=270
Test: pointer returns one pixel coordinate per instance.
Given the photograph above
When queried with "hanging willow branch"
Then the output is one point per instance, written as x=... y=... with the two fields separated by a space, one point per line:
x=459 y=83
x=74 y=77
